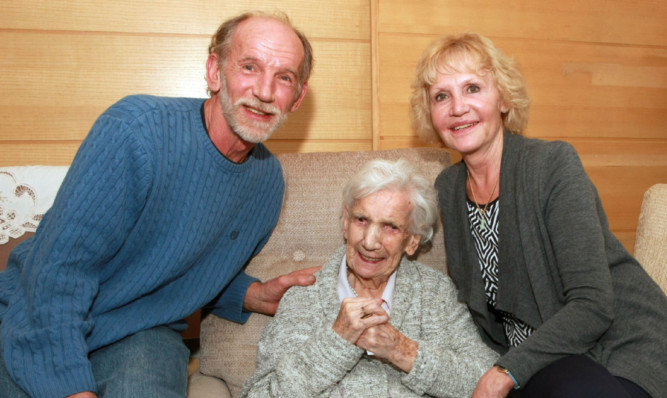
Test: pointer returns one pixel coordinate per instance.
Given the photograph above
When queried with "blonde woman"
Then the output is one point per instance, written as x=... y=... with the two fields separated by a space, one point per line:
x=528 y=245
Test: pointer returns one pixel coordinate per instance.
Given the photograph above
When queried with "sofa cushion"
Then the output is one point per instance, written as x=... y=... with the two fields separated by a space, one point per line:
x=308 y=232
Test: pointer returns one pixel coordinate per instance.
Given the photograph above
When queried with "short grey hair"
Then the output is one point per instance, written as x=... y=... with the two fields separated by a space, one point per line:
x=401 y=176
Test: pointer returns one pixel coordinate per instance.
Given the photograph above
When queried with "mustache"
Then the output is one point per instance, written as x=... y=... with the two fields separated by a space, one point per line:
x=258 y=105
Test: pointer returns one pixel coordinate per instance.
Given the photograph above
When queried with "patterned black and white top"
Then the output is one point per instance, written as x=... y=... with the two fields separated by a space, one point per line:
x=485 y=234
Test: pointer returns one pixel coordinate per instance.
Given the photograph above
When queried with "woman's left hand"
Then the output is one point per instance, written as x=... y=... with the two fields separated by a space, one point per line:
x=493 y=384
x=386 y=342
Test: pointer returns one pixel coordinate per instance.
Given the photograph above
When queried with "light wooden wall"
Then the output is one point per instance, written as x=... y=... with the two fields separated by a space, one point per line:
x=596 y=71
x=64 y=62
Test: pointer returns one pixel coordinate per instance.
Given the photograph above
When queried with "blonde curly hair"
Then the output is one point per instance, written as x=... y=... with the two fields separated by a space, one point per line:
x=465 y=53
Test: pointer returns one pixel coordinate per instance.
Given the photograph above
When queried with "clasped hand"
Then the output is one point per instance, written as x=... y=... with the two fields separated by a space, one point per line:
x=363 y=322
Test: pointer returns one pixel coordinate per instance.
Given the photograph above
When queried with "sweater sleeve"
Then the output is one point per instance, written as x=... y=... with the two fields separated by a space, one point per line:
x=45 y=327
x=574 y=222
x=299 y=354
x=229 y=304
x=451 y=356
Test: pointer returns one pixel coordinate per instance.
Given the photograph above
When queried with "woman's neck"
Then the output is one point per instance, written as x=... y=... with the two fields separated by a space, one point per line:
x=483 y=177
x=366 y=288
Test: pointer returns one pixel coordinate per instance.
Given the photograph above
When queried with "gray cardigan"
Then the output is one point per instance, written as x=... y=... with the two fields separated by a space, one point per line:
x=300 y=355
x=561 y=269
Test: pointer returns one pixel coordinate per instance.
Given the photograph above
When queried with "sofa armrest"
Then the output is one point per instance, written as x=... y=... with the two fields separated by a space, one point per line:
x=651 y=240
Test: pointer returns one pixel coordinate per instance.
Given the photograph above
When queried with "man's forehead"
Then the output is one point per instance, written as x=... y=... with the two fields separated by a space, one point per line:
x=269 y=34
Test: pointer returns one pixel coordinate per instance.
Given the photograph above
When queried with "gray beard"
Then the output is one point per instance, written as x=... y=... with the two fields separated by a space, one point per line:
x=257 y=131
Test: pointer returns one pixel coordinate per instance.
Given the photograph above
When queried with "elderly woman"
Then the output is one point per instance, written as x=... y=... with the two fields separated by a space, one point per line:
x=528 y=245
x=374 y=324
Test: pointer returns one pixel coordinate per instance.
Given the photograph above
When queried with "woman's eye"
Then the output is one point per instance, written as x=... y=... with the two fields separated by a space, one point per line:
x=391 y=227
x=473 y=88
x=440 y=97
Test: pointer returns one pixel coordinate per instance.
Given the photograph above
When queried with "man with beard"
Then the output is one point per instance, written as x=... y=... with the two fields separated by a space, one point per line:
x=166 y=201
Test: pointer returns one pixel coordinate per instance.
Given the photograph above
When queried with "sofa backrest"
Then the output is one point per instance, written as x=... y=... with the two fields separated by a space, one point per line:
x=308 y=232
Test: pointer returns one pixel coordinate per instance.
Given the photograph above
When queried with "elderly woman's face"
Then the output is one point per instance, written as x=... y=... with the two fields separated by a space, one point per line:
x=377 y=230
x=466 y=111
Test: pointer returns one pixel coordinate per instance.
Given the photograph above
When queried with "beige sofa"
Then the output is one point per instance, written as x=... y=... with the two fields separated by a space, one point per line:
x=308 y=231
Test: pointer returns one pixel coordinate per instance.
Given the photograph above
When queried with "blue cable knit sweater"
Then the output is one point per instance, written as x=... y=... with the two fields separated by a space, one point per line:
x=151 y=223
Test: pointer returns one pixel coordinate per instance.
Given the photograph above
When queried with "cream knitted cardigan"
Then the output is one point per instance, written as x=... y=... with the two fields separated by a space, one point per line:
x=300 y=355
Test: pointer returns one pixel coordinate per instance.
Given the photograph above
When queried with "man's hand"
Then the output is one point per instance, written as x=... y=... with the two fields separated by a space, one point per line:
x=85 y=394
x=493 y=384
x=264 y=297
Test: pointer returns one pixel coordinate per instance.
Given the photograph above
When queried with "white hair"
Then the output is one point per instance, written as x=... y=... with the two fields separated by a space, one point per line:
x=378 y=175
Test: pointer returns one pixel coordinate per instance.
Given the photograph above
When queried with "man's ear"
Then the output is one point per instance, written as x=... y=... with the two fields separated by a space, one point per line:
x=213 y=73
x=299 y=98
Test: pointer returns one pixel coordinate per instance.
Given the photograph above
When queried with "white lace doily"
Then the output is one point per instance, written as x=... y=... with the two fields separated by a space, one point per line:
x=26 y=193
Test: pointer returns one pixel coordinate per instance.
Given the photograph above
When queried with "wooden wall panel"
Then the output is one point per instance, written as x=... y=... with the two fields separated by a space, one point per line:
x=55 y=85
x=599 y=21
x=341 y=20
x=597 y=78
x=65 y=62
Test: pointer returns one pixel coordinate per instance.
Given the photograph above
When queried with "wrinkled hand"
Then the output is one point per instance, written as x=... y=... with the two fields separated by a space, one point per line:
x=356 y=315
x=493 y=384
x=387 y=342
x=264 y=297
x=85 y=394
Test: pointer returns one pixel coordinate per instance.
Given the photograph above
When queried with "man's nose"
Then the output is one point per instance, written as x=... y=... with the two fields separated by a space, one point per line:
x=264 y=88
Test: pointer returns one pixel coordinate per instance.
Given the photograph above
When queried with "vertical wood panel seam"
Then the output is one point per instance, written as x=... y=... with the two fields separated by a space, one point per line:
x=375 y=76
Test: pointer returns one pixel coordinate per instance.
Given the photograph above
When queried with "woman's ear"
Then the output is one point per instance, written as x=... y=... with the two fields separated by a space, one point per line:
x=413 y=244
x=503 y=106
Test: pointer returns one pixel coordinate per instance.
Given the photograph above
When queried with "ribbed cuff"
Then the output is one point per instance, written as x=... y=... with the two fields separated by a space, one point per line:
x=230 y=304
